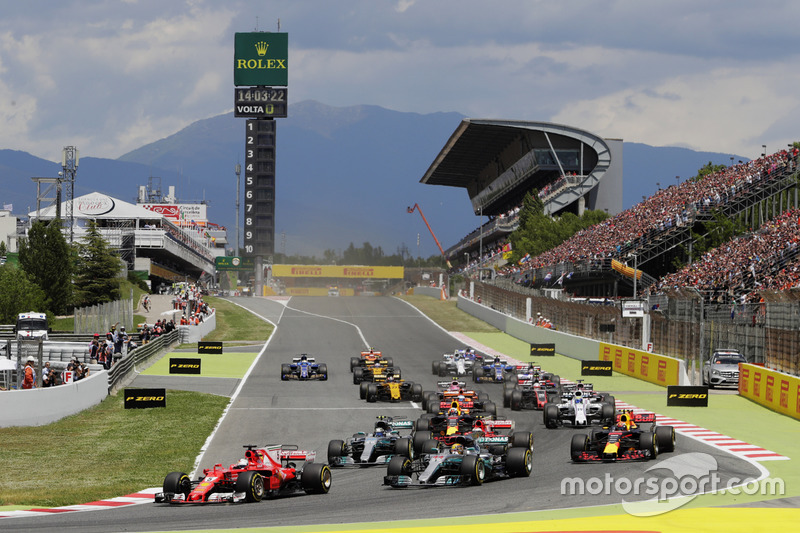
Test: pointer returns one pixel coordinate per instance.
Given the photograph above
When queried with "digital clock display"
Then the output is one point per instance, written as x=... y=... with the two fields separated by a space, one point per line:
x=260 y=102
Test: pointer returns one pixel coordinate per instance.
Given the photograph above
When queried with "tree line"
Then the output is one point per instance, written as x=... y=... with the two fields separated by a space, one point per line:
x=54 y=276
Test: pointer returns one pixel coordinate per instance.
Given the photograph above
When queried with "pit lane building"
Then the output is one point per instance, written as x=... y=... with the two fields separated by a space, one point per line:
x=498 y=162
x=152 y=242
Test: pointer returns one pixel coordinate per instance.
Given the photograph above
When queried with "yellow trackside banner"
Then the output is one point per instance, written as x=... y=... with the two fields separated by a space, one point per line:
x=316 y=291
x=658 y=369
x=337 y=271
x=775 y=390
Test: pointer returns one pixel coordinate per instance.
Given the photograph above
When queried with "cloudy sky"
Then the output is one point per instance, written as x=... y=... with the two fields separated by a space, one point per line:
x=109 y=76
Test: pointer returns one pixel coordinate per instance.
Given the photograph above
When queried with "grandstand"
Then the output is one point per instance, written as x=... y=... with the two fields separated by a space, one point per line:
x=498 y=162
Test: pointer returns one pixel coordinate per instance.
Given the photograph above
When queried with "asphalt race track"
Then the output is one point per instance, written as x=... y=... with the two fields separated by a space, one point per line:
x=310 y=414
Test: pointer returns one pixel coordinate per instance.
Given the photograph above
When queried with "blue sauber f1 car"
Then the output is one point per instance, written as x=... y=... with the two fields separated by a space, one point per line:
x=304 y=368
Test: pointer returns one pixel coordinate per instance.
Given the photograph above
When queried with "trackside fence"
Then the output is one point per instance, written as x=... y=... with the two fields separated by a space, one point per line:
x=121 y=371
x=679 y=324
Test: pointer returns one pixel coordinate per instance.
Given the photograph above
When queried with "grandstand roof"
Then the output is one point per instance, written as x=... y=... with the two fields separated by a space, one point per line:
x=477 y=142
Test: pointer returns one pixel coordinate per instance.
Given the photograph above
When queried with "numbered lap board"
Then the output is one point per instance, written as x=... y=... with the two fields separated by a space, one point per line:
x=259 y=187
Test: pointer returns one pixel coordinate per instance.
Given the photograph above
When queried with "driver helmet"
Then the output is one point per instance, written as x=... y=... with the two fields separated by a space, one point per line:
x=457 y=448
x=242 y=463
x=390 y=378
x=304 y=357
x=453 y=411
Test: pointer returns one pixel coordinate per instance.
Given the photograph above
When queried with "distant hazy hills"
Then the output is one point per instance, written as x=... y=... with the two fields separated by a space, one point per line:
x=343 y=175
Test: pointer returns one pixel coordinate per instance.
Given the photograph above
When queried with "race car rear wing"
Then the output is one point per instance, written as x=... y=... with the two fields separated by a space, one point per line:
x=446 y=384
x=299 y=358
x=376 y=354
x=638 y=418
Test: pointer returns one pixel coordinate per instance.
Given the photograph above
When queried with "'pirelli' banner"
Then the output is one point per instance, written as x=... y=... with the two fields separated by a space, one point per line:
x=687 y=396
x=658 y=369
x=209 y=347
x=337 y=271
x=145 y=398
x=184 y=365
x=547 y=349
x=597 y=368
x=775 y=390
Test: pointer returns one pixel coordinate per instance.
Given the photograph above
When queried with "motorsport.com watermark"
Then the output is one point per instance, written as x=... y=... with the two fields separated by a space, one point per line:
x=693 y=474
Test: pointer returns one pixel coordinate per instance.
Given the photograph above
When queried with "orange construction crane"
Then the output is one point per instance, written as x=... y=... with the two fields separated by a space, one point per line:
x=418 y=208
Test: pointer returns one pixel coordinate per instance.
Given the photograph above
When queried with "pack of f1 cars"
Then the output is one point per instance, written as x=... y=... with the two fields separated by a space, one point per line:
x=375 y=372
x=496 y=371
x=369 y=358
x=625 y=440
x=435 y=402
x=263 y=473
x=374 y=448
x=458 y=363
x=580 y=407
x=458 y=465
x=393 y=390
x=464 y=428
x=531 y=389
x=304 y=368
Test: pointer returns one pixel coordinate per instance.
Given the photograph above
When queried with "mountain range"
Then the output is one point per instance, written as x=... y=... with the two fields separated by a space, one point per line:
x=343 y=175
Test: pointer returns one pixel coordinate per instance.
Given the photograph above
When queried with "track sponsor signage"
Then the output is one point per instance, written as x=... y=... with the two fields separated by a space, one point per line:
x=337 y=271
x=209 y=347
x=261 y=58
x=546 y=349
x=597 y=368
x=770 y=388
x=687 y=396
x=658 y=369
x=145 y=398
x=228 y=262
x=184 y=365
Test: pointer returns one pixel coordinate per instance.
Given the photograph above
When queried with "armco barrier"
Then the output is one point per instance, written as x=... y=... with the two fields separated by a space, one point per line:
x=770 y=388
x=36 y=407
x=572 y=345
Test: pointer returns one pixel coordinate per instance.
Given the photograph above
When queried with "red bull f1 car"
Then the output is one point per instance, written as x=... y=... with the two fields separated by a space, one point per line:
x=626 y=440
x=263 y=473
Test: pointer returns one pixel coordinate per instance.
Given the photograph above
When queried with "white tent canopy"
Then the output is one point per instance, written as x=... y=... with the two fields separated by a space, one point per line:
x=99 y=206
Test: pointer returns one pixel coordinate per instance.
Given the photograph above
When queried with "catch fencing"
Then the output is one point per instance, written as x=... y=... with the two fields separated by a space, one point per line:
x=681 y=324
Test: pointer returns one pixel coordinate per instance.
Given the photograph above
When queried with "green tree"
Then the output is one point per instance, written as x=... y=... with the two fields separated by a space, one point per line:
x=99 y=268
x=47 y=259
x=18 y=294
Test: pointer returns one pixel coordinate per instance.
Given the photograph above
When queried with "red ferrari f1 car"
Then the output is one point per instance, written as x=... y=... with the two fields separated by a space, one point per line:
x=263 y=473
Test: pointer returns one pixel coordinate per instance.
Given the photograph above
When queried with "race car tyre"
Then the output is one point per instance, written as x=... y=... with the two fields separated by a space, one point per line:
x=474 y=469
x=550 y=415
x=610 y=400
x=507 y=397
x=607 y=414
x=177 y=483
x=519 y=462
x=482 y=396
x=389 y=361
x=515 y=402
x=358 y=375
x=362 y=389
x=416 y=392
x=433 y=407
x=665 y=435
x=372 y=393
x=285 y=371
x=429 y=398
x=404 y=447
x=578 y=445
x=316 y=478
x=335 y=451
x=556 y=379
x=435 y=368
x=521 y=439
x=323 y=372
x=430 y=446
x=399 y=466
x=490 y=408
x=649 y=441
x=423 y=424
x=419 y=439
x=553 y=397
x=510 y=381
x=476 y=375
x=354 y=361
x=442 y=369
x=252 y=484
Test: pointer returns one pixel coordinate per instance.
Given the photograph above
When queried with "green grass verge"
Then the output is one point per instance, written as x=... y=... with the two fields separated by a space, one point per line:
x=447 y=315
x=236 y=324
x=105 y=451
x=230 y=365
